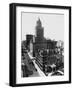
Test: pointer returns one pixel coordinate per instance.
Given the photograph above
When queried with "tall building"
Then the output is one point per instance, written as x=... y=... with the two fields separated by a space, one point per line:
x=28 y=38
x=40 y=41
x=39 y=37
x=39 y=32
x=29 y=41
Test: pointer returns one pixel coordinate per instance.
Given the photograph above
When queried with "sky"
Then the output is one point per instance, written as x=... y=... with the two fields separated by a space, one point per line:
x=53 y=25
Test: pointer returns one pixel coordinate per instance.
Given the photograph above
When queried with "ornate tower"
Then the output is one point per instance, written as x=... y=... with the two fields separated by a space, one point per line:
x=39 y=31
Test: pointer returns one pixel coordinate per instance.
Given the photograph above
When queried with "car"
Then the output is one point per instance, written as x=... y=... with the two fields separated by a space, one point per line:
x=49 y=69
x=57 y=73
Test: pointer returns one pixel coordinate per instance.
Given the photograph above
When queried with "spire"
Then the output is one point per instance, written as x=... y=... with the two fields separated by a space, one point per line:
x=39 y=22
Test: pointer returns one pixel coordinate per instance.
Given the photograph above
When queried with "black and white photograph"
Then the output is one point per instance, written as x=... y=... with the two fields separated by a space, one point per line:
x=40 y=41
x=42 y=44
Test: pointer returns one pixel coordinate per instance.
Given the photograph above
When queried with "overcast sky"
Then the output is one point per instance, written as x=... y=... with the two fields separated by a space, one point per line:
x=53 y=25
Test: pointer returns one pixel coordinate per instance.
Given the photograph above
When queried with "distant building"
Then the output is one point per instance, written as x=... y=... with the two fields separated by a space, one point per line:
x=39 y=38
x=40 y=41
x=29 y=41
x=39 y=32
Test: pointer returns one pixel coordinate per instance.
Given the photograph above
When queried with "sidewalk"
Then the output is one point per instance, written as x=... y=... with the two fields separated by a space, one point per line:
x=39 y=70
x=40 y=73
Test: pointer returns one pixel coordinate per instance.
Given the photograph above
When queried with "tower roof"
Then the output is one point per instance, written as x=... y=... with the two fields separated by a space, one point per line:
x=39 y=22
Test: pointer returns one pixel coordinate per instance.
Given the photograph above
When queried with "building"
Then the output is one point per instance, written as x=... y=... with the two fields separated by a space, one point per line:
x=39 y=37
x=40 y=41
x=39 y=32
x=29 y=41
x=44 y=45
